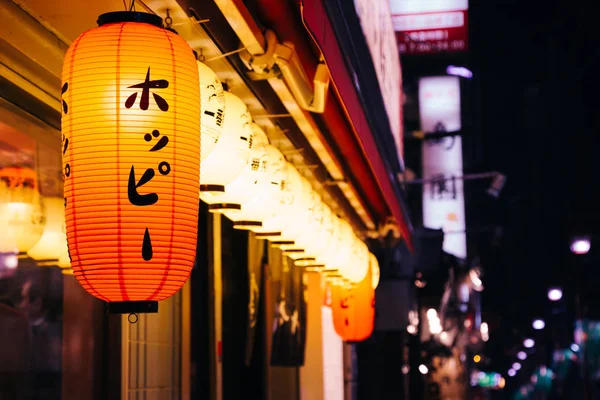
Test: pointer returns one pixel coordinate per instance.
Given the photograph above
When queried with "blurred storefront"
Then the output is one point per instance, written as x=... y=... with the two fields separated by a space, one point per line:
x=254 y=320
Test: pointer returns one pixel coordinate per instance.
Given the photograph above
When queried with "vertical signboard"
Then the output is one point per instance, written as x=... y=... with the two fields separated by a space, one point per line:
x=429 y=26
x=443 y=195
x=376 y=22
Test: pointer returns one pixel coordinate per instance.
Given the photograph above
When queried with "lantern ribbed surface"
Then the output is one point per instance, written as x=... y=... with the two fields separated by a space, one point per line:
x=131 y=140
x=353 y=309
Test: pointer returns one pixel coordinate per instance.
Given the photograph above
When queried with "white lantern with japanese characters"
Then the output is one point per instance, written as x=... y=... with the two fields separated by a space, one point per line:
x=317 y=240
x=249 y=182
x=53 y=242
x=266 y=197
x=272 y=228
x=334 y=245
x=212 y=109
x=21 y=217
x=340 y=259
x=358 y=266
x=230 y=155
x=311 y=217
x=296 y=221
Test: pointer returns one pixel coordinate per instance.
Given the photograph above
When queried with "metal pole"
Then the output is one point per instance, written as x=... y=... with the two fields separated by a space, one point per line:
x=467 y=177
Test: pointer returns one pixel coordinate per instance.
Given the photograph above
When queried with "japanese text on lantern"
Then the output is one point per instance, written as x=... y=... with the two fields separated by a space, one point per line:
x=161 y=141
x=157 y=142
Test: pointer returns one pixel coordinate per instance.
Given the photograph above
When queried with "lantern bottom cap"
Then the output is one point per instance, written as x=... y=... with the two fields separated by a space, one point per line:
x=282 y=242
x=222 y=207
x=247 y=225
x=286 y=251
x=129 y=307
x=267 y=234
x=305 y=259
x=212 y=189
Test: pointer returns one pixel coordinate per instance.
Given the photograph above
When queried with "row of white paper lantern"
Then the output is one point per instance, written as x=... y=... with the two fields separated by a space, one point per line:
x=250 y=182
x=243 y=177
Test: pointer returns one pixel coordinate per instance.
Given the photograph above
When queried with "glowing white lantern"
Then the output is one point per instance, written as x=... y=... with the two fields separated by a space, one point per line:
x=271 y=227
x=21 y=226
x=358 y=265
x=317 y=237
x=265 y=202
x=327 y=258
x=53 y=242
x=287 y=220
x=300 y=219
x=375 y=272
x=21 y=217
x=250 y=181
x=338 y=256
x=212 y=108
x=230 y=155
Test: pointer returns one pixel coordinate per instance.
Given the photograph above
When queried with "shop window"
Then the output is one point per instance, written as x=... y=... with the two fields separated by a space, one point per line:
x=31 y=294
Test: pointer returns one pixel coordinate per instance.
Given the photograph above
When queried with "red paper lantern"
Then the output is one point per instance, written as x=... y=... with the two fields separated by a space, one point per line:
x=353 y=309
x=131 y=158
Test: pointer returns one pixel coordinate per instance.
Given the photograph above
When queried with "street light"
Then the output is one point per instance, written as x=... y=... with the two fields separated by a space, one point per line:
x=575 y=347
x=512 y=372
x=528 y=343
x=485 y=331
x=521 y=355
x=538 y=324
x=423 y=369
x=476 y=280
x=555 y=294
x=459 y=71
x=580 y=245
x=411 y=329
x=516 y=366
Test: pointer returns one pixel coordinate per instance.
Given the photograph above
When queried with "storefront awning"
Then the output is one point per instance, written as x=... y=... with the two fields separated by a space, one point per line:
x=331 y=24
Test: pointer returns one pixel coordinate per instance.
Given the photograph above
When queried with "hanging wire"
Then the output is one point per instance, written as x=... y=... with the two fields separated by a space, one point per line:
x=229 y=53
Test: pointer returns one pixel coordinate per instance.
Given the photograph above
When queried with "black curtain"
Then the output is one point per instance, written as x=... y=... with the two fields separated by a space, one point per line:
x=240 y=380
x=289 y=325
x=200 y=323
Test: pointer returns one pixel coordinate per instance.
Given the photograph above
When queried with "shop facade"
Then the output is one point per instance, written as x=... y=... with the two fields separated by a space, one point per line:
x=254 y=320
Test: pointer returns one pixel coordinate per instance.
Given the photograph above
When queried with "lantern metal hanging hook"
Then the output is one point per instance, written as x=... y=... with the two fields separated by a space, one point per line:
x=201 y=56
x=168 y=20
x=132 y=318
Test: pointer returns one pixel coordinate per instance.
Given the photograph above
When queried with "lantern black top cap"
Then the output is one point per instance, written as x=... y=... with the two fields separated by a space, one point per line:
x=130 y=16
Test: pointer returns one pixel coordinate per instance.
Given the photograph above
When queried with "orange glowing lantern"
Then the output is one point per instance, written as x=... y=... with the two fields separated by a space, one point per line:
x=131 y=140
x=353 y=309
x=21 y=216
